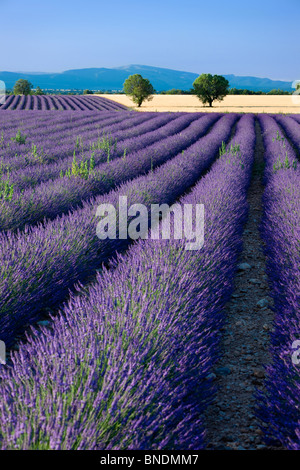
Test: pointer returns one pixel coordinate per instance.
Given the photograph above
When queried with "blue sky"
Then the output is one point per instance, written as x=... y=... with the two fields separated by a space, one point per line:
x=259 y=37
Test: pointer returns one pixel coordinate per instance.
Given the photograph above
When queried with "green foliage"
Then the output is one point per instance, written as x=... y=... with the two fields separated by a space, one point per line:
x=279 y=138
x=92 y=161
x=82 y=170
x=282 y=163
x=106 y=143
x=37 y=155
x=222 y=149
x=233 y=151
x=38 y=91
x=88 y=92
x=175 y=91
x=238 y=91
x=279 y=92
x=138 y=88
x=79 y=143
x=210 y=87
x=6 y=188
x=22 y=87
x=20 y=138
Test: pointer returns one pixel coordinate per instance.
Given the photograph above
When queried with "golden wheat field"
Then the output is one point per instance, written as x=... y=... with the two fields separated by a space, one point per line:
x=233 y=103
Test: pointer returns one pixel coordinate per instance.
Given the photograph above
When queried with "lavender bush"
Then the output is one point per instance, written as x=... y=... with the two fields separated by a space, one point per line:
x=113 y=141
x=56 y=196
x=279 y=405
x=39 y=265
x=125 y=366
x=60 y=102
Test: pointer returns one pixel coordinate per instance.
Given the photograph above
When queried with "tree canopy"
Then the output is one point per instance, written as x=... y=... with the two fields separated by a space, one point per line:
x=22 y=87
x=138 y=88
x=38 y=91
x=210 y=87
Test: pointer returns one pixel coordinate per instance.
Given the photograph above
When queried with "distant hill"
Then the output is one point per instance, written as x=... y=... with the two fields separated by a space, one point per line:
x=113 y=79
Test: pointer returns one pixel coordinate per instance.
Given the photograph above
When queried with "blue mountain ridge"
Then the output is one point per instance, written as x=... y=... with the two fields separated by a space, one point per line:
x=112 y=79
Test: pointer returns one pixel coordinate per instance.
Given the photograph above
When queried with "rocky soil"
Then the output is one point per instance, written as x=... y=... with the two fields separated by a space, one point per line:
x=231 y=421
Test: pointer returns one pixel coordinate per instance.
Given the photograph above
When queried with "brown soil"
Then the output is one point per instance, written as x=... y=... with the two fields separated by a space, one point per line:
x=231 y=420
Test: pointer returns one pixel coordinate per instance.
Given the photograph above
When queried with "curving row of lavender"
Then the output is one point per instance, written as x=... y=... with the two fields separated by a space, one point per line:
x=39 y=265
x=291 y=128
x=279 y=405
x=12 y=120
x=296 y=117
x=60 y=103
x=123 y=141
x=54 y=140
x=110 y=373
x=57 y=196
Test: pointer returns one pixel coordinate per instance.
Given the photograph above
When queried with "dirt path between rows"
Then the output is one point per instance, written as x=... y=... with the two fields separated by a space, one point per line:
x=231 y=421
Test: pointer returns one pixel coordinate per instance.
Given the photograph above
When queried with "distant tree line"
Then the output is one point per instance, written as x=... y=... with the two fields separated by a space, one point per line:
x=207 y=87
x=237 y=91
x=176 y=91
x=231 y=91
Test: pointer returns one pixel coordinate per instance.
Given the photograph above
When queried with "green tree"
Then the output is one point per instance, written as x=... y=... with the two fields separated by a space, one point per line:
x=38 y=91
x=278 y=92
x=138 y=88
x=210 y=87
x=88 y=92
x=22 y=87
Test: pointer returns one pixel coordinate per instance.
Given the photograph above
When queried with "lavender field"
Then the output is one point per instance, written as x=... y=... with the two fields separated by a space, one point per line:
x=60 y=102
x=115 y=343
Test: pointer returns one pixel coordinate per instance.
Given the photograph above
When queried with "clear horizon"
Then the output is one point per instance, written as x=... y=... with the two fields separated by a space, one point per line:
x=190 y=36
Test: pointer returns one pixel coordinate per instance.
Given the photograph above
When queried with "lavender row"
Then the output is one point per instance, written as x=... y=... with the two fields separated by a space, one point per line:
x=60 y=102
x=296 y=117
x=39 y=265
x=119 y=144
x=57 y=196
x=80 y=138
x=36 y=129
x=127 y=363
x=30 y=120
x=93 y=100
x=279 y=404
x=36 y=121
x=116 y=138
x=291 y=128
x=59 y=143
x=49 y=129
